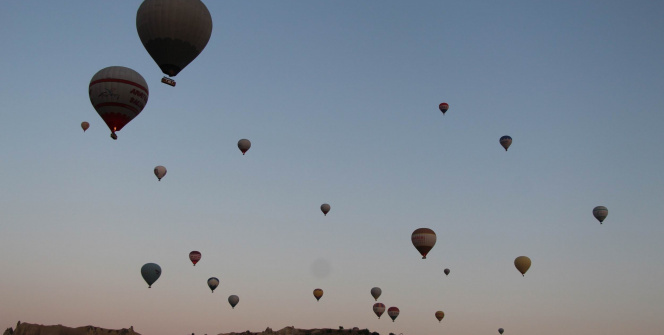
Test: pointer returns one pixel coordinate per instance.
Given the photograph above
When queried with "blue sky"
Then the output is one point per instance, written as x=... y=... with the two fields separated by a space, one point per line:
x=339 y=99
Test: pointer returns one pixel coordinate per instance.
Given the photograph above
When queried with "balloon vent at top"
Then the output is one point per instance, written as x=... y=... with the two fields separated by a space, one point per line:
x=174 y=32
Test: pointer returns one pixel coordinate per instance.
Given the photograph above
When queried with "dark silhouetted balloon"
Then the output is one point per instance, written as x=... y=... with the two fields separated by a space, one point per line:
x=440 y=315
x=244 y=145
x=506 y=141
x=213 y=282
x=444 y=107
x=318 y=293
x=233 y=300
x=174 y=32
x=600 y=213
x=393 y=312
x=522 y=264
x=447 y=271
x=160 y=172
x=376 y=292
x=85 y=125
x=150 y=273
x=325 y=208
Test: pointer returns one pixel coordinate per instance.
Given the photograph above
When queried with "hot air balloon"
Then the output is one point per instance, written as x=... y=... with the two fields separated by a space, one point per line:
x=376 y=292
x=174 y=32
x=522 y=264
x=444 y=107
x=393 y=312
x=160 y=172
x=118 y=94
x=213 y=282
x=440 y=315
x=379 y=309
x=244 y=145
x=325 y=208
x=600 y=213
x=233 y=300
x=150 y=273
x=506 y=141
x=500 y=330
x=423 y=239
x=194 y=257
x=447 y=271
x=85 y=125
x=318 y=293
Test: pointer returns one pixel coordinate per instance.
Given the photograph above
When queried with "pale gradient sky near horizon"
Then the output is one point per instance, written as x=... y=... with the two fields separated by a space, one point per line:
x=340 y=100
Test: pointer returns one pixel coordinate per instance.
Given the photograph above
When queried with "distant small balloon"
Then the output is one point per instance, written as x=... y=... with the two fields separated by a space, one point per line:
x=447 y=271
x=444 y=107
x=393 y=312
x=244 y=145
x=213 y=282
x=376 y=292
x=150 y=273
x=600 y=213
x=194 y=257
x=506 y=141
x=522 y=263
x=85 y=125
x=325 y=208
x=440 y=315
x=160 y=172
x=500 y=330
x=423 y=239
x=318 y=293
x=233 y=300
x=379 y=309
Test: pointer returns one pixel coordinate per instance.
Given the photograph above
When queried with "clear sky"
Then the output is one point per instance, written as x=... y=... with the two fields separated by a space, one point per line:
x=340 y=101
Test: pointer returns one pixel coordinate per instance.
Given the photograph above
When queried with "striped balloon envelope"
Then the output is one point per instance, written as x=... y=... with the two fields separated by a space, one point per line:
x=423 y=239
x=379 y=309
x=118 y=94
x=393 y=312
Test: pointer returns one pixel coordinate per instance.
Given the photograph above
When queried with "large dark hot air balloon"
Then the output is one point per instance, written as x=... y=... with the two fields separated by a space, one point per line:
x=393 y=312
x=174 y=32
x=194 y=257
x=423 y=239
x=447 y=271
x=500 y=330
x=379 y=309
x=118 y=94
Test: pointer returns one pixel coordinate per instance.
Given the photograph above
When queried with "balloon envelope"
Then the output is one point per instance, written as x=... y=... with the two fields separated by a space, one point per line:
x=244 y=145
x=85 y=125
x=500 y=330
x=325 y=208
x=522 y=264
x=379 y=309
x=174 y=32
x=213 y=282
x=118 y=94
x=600 y=213
x=150 y=273
x=423 y=239
x=194 y=257
x=318 y=293
x=233 y=300
x=440 y=315
x=506 y=141
x=447 y=271
x=393 y=312
x=160 y=172
x=444 y=107
x=376 y=292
